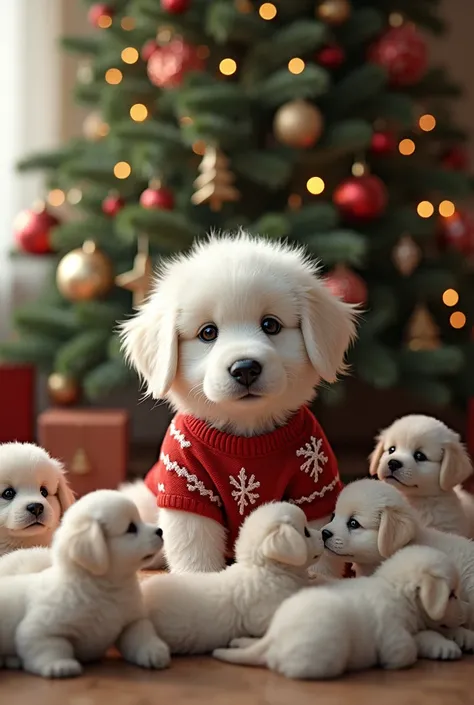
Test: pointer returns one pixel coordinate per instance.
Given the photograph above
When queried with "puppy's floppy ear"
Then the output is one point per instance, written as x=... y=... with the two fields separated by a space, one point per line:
x=455 y=467
x=374 y=458
x=285 y=545
x=65 y=494
x=328 y=326
x=85 y=545
x=397 y=528
x=434 y=595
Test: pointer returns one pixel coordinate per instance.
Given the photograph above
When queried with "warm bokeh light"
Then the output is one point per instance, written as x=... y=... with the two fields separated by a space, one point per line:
x=406 y=147
x=199 y=147
x=139 y=112
x=130 y=55
x=186 y=120
x=227 y=67
x=358 y=169
x=450 y=297
x=56 y=197
x=425 y=209
x=244 y=6
x=427 y=123
x=74 y=196
x=113 y=76
x=127 y=23
x=395 y=19
x=294 y=201
x=122 y=170
x=203 y=52
x=267 y=11
x=447 y=209
x=457 y=319
x=104 y=22
x=296 y=65
x=315 y=185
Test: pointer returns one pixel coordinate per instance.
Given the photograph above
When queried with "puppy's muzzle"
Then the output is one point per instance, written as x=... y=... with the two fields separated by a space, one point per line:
x=326 y=534
x=245 y=372
x=35 y=508
x=394 y=465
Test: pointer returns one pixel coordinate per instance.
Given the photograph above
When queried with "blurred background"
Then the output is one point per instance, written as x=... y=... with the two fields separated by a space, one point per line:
x=130 y=127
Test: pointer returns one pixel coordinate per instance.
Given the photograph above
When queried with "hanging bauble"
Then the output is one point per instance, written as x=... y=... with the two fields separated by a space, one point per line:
x=175 y=7
x=32 y=230
x=94 y=128
x=346 y=285
x=456 y=232
x=85 y=273
x=333 y=12
x=63 y=390
x=383 y=143
x=361 y=198
x=402 y=52
x=331 y=57
x=298 y=124
x=169 y=64
x=406 y=255
x=456 y=158
x=112 y=204
x=148 y=49
x=100 y=15
x=157 y=197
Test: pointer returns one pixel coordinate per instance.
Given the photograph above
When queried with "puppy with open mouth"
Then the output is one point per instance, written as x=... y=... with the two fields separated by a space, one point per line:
x=236 y=336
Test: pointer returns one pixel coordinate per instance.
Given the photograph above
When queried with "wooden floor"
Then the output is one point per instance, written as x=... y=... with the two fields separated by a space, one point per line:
x=203 y=681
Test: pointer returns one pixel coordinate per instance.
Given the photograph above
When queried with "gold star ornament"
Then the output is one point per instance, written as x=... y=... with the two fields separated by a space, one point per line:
x=139 y=279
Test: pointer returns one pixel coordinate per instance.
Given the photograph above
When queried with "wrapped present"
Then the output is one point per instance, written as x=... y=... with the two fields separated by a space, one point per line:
x=18 y=393
x=92 y=444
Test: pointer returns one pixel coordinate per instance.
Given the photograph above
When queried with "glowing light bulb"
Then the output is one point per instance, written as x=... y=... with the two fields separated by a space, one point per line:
x=425 y=209
x=122 y=170
x=130 y=55
x=457 y=319
x=199 y=147
x=127 y=23
x=296 y=65
x=294 y=201
x=104 y=22
x=315 y=185
x=406 y=147
x=113 y=76
x=139 y=112
x=427 y=123
x=56 y=197
x=450 y=297
x=227 y=67
x=447 y=209
x=267 y=11
x=74 y=196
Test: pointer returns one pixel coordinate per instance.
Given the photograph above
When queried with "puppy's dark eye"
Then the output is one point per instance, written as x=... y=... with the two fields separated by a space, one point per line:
x=391 y=450
x=8 y=494
x=306 y=532
x=44 y=491
x=132 y=528
x=419 y=456
x=208 y=333
x=353 y=523
x=271 y=325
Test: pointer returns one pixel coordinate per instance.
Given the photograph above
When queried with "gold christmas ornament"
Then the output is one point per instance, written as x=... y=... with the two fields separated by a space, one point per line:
x=80 y=464
x=422 y=331
x=139 y=279
x=215 y=183
x=85 y=273
x=63 y=390
x=334 y=12
x=406 y=255
x=94 y=128
x=298 y=124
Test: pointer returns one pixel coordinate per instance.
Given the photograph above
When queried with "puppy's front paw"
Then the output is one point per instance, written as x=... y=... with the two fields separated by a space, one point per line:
x=464 y=638
x=62 y=668
x=242 y=642
x=154 y=654
x=436 y=647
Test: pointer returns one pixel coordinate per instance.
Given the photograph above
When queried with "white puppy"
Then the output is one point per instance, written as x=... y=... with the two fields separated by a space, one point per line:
x=200 y=612
x=33 y=496
x=426 y=460
x=89 y=599
x=323 y=632
x=236 y=336
x=25 y=560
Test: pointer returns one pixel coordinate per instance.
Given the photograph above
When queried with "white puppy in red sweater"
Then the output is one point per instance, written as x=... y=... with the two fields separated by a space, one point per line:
x=236 y=335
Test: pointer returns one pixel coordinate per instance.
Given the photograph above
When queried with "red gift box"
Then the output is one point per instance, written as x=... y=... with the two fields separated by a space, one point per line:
x=17 y=410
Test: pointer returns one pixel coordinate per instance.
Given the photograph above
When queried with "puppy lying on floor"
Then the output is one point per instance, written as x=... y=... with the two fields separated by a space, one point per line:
x=426 y=460
x=71 y=613
x=200 y=612
x=323 y=632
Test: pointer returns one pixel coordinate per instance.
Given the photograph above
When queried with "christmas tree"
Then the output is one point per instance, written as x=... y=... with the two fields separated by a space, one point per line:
x=320 y=122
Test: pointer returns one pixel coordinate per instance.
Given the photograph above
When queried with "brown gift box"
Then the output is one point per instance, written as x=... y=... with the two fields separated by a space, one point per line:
x=92 y=444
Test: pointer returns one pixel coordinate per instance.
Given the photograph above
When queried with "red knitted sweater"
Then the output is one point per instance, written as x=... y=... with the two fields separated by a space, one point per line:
x=224 y=477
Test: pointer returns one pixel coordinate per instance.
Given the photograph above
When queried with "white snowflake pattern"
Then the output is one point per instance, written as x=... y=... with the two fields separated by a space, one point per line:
x=315 y=458
x=193 y=483
x=317 y=493
x=243 y=493
x=179 y=436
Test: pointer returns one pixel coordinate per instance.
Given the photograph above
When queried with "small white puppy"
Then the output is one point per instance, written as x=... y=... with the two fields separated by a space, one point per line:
x=196 y=613
x=25 y=560
x=89 y=599
x=426 y=460
x=33 y=496
x=323 y=632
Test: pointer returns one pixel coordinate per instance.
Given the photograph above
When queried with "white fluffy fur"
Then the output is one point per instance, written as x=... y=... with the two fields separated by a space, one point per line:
x=430 y=485
x=355 y=624
x=198 y=613
x=33 y=477
x=25 y=560
x=89 y=599
x=234 y=282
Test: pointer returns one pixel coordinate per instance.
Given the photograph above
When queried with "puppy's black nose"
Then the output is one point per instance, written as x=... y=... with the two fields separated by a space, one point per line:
x=35 y=508
x=326 y=534
x=245 y=372
x=159 y=532
x=394 y=464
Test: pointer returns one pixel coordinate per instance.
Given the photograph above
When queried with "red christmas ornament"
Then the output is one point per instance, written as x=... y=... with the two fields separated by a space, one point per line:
x=331 y=57
x=457 y=232
x=361 y=198
x=99 y=11
x=168 y=65
x=456 y=158
x=157 y=198
x=175 y=7
x=32 y=230
x=403 y=53
x=346 y=285
x=383 y=143
x=112 y=204
x=148 y=49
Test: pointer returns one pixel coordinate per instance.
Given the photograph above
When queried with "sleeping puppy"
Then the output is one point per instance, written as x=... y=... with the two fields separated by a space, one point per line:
x=426 y=460
x=323 y=632
x=33 y=496
x=236 y=335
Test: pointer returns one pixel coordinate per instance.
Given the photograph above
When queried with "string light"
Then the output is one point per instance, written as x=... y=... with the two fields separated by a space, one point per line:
x=127 y=23
x=267 y=11
x=294 y=201
x=296 y=65
x=122 y=170
x=227 y=67
x=113 y=76
x=450 y=297
x=457 y=319
x=56 y=197
x=358 y=169
x=74 y=196
x=103 y=129
x=425 y=209
x=427 y=123
x=406 y=147
x=130 y=55
x=447 y=209
x=139 y=112
x=315 y=185
x=164 y=35
x=199 y=147
x=395 y=19
x=104 y=22
x=186 y=120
